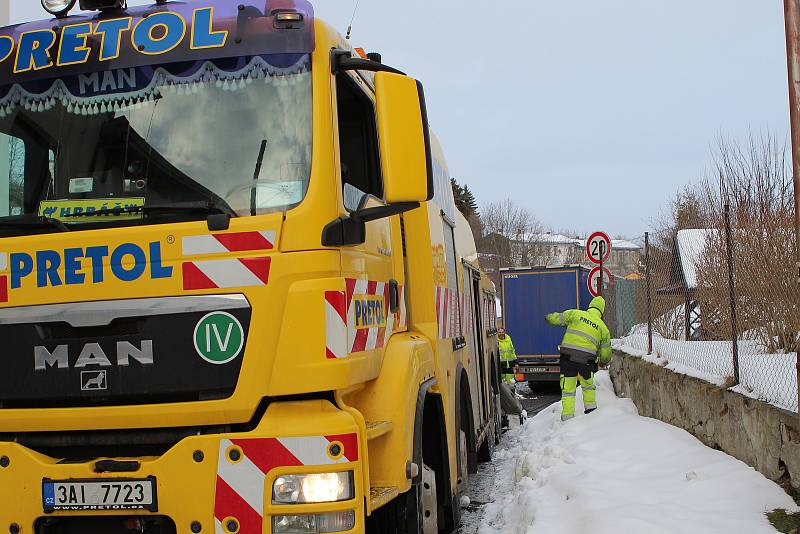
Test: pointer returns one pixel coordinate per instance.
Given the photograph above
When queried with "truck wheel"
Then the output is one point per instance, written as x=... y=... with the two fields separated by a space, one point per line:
x=498 y=419
x=413 y=512
x=486 y=451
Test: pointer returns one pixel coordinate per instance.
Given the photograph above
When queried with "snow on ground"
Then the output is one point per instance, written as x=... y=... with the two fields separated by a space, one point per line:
x=614 y=472
x=768 y=377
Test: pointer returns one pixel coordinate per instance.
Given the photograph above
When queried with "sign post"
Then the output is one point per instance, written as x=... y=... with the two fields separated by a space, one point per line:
x=598 y=250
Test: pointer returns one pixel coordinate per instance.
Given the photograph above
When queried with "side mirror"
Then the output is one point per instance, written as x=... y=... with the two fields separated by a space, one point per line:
x=404 y=139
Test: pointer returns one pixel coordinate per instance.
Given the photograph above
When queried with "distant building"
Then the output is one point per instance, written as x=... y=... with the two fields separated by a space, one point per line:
x=625 y=257
x=551 y=249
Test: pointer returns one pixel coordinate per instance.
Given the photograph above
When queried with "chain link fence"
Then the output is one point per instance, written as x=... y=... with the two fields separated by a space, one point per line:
x=720 y=304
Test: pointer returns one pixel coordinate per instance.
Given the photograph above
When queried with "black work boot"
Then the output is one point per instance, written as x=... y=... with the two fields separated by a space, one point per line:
x=590 y=410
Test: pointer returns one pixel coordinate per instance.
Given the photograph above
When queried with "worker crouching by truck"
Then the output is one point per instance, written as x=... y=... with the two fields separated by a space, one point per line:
x=586 y=343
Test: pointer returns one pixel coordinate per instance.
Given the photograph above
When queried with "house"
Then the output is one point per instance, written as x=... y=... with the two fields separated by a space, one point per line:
x=689 y=247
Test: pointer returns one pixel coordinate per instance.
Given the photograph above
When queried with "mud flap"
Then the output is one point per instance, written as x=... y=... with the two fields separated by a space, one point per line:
x=508 y=400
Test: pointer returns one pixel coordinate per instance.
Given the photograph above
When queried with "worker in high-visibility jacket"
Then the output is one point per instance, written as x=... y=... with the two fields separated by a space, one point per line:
x=586 y=344
x=507 y=355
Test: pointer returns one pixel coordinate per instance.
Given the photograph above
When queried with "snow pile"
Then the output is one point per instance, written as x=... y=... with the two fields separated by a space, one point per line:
x=615 y=472
x=771 y=378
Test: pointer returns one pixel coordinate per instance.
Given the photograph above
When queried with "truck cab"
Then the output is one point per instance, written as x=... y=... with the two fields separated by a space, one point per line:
x=235 y=294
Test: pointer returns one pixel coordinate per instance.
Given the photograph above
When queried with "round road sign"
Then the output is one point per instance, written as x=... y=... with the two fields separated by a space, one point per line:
x=598 y=246
x=594 y=280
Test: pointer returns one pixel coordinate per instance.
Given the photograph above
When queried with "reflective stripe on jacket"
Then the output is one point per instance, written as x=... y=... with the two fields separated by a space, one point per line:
x=586 y=332
x=507 y=351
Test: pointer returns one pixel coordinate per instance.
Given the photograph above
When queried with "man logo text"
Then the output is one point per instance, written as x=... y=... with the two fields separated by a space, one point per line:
x=92 y=354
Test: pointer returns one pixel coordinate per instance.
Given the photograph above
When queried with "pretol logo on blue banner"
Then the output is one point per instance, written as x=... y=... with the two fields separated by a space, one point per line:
x=91 y=265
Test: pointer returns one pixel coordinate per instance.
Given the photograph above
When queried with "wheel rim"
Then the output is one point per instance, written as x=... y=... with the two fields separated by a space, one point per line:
x=430 y=520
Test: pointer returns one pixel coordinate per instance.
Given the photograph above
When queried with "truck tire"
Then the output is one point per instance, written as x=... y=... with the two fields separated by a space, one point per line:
x=492 y=438
x=498 y=419
x=413 y=512
x=486 y=450
x=418 y=510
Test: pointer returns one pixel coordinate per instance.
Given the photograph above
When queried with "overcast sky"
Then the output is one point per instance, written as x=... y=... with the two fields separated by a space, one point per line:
x=591 y=114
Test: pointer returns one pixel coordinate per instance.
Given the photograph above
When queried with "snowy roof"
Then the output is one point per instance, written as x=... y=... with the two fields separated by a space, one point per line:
x=561 y=239
x=552 y=238
x=624 y=244
x=690 y=246
x=616 y=244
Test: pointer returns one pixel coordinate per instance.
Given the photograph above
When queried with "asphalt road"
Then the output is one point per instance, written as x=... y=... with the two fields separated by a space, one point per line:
x=481 y=485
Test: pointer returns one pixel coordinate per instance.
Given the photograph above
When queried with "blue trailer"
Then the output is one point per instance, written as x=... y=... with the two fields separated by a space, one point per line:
x=530 y=294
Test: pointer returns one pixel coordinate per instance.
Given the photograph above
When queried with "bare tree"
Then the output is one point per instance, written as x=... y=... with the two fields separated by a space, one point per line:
x=509 y=234
x=755 y=181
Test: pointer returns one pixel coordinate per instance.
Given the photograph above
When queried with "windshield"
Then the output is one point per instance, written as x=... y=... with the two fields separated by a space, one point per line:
x=234 y=134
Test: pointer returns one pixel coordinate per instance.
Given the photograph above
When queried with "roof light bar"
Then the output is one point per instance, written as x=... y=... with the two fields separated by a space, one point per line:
x=58 y=8
x=289 y=17
x=102 y=5
x=288 y=20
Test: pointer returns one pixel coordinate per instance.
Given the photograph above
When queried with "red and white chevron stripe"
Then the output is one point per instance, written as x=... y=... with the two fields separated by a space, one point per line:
x=229 y=273
x=343 y=336
x=363 y=339
x=336 y=324
x=449 y=311
x=3 y=278
x=240 y=488
x=197 y=245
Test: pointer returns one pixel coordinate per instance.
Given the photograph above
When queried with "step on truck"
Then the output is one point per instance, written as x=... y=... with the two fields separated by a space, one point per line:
x=235 y=293
x=528 y=294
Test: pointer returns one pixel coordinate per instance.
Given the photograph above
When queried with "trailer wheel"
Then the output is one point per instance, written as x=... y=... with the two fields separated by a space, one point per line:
x=498 y=419
x=486 y=450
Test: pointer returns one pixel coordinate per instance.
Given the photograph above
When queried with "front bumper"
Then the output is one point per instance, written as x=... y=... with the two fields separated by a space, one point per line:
x=209 y=479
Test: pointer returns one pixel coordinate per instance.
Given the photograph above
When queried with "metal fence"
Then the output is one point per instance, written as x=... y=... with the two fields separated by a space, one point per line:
x=719 y=304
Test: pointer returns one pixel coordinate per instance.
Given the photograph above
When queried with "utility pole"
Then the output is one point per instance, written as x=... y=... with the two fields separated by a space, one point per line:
x=792 y=21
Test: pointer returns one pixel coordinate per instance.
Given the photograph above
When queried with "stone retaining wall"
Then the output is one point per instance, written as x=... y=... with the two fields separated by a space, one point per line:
x=755 y=432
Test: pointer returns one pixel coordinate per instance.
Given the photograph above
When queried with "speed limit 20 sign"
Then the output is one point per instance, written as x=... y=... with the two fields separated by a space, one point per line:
x=598 y=248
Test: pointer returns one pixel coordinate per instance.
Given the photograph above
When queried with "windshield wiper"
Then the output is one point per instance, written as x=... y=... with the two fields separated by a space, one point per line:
x=205 y=208
x=32 y=221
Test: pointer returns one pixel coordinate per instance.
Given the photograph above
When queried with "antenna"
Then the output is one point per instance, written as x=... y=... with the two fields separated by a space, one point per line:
x=350 y=26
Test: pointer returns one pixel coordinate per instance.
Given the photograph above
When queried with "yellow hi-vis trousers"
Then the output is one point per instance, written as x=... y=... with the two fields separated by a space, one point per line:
x=571 y=375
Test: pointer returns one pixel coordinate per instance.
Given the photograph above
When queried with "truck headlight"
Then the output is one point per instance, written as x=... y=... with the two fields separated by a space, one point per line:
x=312 y=524
x=313 y=488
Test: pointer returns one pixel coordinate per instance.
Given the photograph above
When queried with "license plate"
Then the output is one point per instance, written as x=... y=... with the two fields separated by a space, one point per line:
x=110 y=494
x=542 y=370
